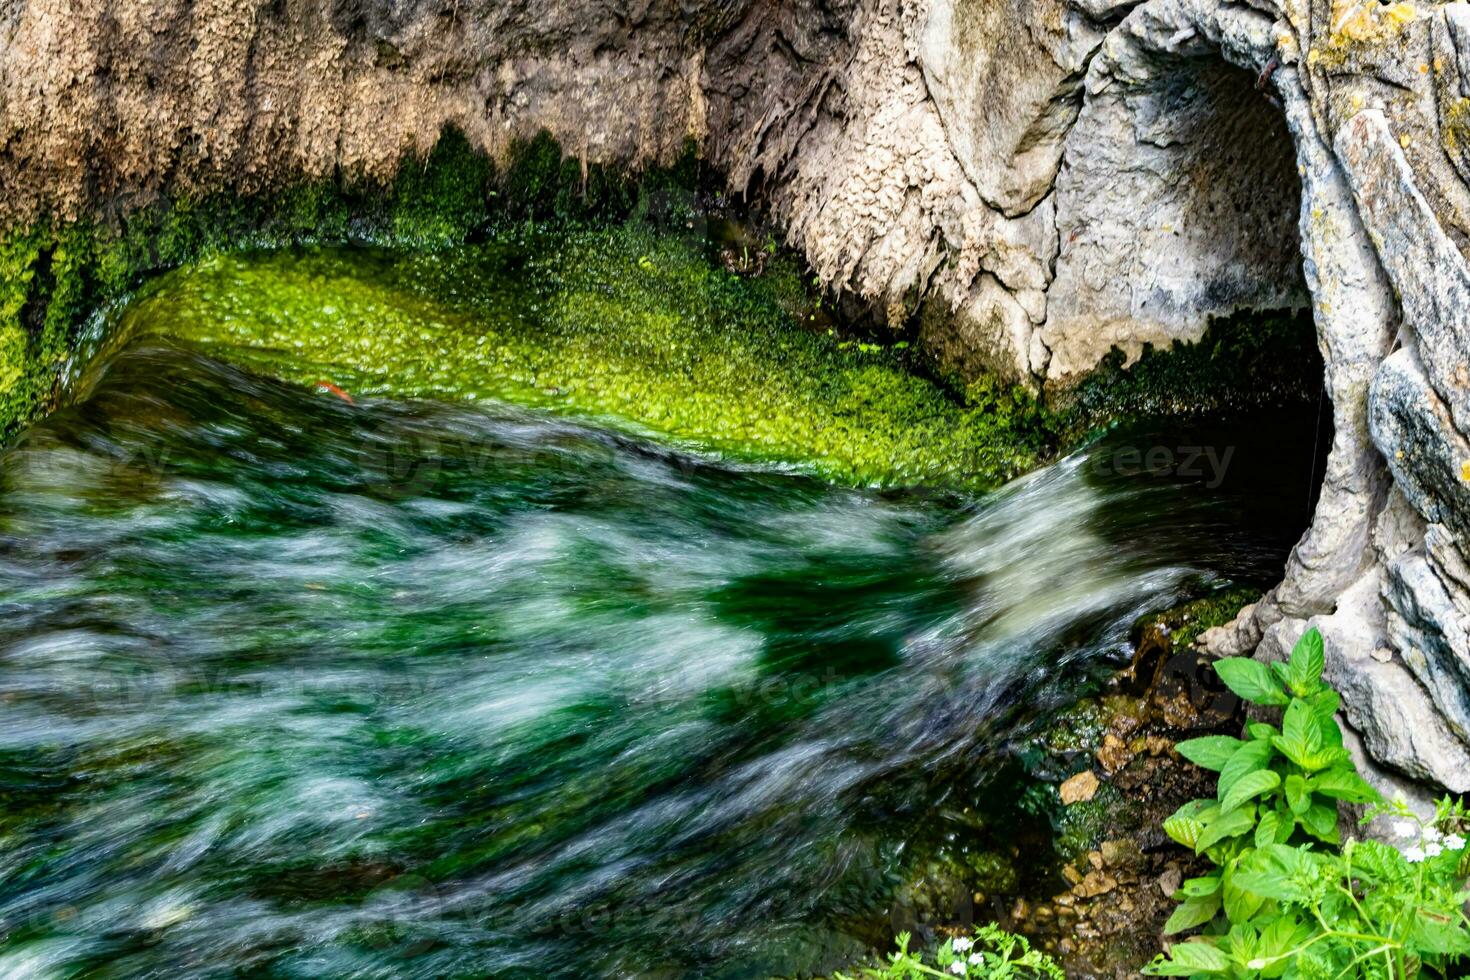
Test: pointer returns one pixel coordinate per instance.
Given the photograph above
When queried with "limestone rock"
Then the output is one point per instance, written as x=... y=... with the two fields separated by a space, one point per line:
x=1008 y=98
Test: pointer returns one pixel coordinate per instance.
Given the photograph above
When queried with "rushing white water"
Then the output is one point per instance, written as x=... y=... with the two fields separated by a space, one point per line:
x=545 y=702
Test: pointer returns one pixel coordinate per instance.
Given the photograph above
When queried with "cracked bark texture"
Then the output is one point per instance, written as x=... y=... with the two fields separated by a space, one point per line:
x=1030 y=182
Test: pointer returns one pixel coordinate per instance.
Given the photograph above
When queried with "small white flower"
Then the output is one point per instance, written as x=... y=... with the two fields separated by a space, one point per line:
x=962 y=943
x=1454 y=842
x=977 y=959
x=1406 y=828
x=1432 y=836
x=1414 y=854
x=957 y=968
x=1433 y=850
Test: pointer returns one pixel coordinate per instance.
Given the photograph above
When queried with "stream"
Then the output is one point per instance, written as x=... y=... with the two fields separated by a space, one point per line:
x=297 y=687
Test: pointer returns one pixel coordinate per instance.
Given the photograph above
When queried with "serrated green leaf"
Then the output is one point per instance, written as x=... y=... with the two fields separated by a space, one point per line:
x=1199 y=887
x=1320 y=821
x=1189 y=821
x=1376 y=861
x=1226 y=825
x=1308 y=658
x=1325 y=703
x=1248 y=787
x=1342 y=783
x=1211 y=752
x=1192 y=913
x=1282 y=672
x=1189 y=959
x=1239 y=904
x=1297 y=796
x=1240 y=943
x=1285 y=825
x=1251 y=680
x=1250 y=757
x=1443 y=935
x=1266 y=829
x=1284 y=935
x=1275 y=872
x=1301 y=737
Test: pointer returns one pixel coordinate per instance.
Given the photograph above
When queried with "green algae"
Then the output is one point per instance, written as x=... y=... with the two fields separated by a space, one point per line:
x=1244 y=363
x=627 y=325
x=847 y=410
x=1184 y=623
x=56 y=275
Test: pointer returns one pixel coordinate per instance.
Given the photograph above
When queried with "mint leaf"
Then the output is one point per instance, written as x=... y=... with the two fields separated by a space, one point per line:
x=1248 y=787
x=1211 y=752
x=1251 y=680
x=1194 y=912
x=1250 y=757
x=1308 y=658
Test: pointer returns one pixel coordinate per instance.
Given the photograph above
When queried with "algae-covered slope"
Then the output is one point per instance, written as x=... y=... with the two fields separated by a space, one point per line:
x=626 y=325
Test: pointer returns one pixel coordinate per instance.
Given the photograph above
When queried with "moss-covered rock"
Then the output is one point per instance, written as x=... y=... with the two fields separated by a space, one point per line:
x=626 y=324
x=1183 y=624
x=625 y=315
x=55 y=275
x=1247 y=362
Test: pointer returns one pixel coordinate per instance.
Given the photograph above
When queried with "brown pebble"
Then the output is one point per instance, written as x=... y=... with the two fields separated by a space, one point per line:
x=1080 y=788
x=1121 y=854
x=1095 y=884
x=1114 y=754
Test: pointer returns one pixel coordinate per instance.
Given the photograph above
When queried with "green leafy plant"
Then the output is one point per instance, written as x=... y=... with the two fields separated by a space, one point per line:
x=990 y=954
x=1288 y=898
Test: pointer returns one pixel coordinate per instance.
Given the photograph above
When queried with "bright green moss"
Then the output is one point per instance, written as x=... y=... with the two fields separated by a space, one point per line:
x=623 y=324
x=631 y=325
x=1186 y=622
x=443 y=198
x=1242 y=363
x=52 y=277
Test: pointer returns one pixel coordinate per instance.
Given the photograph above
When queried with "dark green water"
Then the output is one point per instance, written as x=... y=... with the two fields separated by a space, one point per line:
x=296 y=688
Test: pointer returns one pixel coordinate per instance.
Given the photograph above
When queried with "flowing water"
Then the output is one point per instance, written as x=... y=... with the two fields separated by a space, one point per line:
x=296 y=688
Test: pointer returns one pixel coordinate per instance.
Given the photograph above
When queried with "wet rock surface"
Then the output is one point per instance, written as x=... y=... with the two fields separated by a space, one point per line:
x=1114 y=886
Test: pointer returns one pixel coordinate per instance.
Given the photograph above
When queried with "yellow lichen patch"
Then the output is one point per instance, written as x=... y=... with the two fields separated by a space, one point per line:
x=1455 y=124
x=1465 y=471
x=1360 y=23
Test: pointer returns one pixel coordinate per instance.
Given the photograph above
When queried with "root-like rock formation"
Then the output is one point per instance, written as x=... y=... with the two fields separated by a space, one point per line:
x=1031 y=182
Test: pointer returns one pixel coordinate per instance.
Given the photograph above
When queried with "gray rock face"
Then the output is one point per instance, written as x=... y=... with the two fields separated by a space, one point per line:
x=1032 y=181
x=1008 y=97
x=1176 y=189
x=1177 y=200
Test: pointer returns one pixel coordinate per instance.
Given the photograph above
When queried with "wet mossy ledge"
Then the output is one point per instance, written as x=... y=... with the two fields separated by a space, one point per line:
x=59 y=278
x=629 y=326
x=548 y=284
